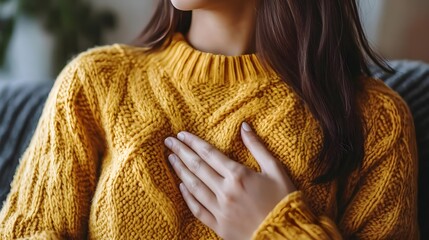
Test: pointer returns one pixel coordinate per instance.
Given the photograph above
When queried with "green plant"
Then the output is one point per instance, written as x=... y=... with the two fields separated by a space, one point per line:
x=74 y=24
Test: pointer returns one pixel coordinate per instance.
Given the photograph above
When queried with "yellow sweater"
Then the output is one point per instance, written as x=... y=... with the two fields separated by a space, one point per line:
x=96 y=167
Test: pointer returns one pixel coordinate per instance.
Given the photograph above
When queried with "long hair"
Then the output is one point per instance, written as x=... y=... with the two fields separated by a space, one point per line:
x=318 y=48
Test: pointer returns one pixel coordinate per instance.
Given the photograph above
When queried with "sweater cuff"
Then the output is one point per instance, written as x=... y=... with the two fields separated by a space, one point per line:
x=291 y=218
x=277 y=218
x=46 y=235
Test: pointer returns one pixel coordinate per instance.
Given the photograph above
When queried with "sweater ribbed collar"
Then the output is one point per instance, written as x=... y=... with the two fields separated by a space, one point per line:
x=182 y=61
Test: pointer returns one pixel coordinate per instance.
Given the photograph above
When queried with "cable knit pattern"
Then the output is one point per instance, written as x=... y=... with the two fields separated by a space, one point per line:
x=96 y=167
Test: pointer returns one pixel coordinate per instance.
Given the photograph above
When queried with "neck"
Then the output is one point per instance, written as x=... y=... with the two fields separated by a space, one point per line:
x=228 y=32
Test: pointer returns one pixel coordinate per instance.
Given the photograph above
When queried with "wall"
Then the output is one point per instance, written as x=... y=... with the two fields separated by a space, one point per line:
x=404 y=30
x=30 y=53
x=133 y=16
x=371 y=13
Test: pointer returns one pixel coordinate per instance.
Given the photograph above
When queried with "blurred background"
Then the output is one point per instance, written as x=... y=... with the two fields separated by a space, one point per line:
x=37 y=38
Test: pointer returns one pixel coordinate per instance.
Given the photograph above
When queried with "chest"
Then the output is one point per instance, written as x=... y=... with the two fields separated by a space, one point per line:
x=135 y=172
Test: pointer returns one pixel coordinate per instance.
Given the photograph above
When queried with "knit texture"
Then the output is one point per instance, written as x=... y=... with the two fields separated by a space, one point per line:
x=21 y=104
x=97 y=167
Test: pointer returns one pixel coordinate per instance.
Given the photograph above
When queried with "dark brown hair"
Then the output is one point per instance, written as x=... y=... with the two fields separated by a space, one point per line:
x=317 y=47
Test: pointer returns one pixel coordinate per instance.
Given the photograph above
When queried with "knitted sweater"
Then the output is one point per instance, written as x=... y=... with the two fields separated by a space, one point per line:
x=96 y=167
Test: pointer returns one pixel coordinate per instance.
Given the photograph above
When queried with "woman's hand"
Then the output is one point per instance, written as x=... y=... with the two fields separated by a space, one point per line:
x=226 y=196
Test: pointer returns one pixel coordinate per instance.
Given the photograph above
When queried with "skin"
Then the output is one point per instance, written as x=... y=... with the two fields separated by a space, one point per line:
x=226 y=196
x=223 y=26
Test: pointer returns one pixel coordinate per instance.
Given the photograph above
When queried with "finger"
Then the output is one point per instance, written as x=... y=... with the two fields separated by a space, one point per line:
x=268 y=163
x=198 y=210
x=195 y=164
x=198 y=189
x=210 y=154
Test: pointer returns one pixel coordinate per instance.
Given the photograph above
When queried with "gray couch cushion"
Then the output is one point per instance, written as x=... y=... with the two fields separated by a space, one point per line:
x=21 y=105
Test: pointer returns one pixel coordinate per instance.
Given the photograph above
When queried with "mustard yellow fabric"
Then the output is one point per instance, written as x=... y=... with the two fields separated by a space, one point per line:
x=96 y=167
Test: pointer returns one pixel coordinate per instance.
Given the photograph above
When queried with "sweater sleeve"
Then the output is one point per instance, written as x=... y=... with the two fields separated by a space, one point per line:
x=52 y=189
x=383 y=203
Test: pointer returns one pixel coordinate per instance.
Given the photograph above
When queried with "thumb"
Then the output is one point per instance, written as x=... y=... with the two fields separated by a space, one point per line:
x=268 y=163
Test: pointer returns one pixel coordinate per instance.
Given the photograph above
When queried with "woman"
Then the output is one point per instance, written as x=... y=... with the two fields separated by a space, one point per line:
x=266 y=110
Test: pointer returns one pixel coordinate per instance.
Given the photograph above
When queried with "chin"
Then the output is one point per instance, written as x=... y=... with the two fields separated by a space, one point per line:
x=188 y=5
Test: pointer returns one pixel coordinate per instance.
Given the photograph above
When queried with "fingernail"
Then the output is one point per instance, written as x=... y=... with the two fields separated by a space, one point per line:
x=246 y=127
x=181 y=136
x=168 y=142
x=171 y=158
x=181 y=187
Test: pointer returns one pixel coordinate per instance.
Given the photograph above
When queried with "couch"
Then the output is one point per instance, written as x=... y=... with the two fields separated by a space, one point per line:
x=21 y=105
